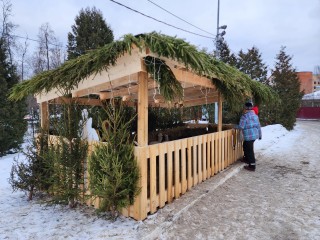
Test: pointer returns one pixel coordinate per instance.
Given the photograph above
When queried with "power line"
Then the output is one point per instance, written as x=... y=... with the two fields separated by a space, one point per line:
x=170 y=25
x=179 y=17
x=34 y=40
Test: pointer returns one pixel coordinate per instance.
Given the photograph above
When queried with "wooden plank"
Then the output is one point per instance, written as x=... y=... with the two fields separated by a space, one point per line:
x=77 y=100
x=219 y=151
x=140 y=204
x=128 y=89
x=213 y=154
x=204 y=157
x=126 y=66
x=199 y=101
x=233 y=146
x=209 y=136
x=223 y=150
x=143 y=109
x=162 y=190
x=190 y=178
x=105 y=86
x=219 y=112
x=183 y=166
x=44 y=115
x=200 y=169
x=153 y=177
x=230 y=146
x=226 y=149
x=177 y=147
x=169 y=172
x=190 y=77
x=195 y=161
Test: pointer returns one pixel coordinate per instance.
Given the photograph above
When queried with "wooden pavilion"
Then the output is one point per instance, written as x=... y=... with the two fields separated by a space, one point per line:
x=128 y=69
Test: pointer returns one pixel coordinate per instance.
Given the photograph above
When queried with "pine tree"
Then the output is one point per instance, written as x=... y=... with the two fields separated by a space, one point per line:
x=251 y=64
x=224 y=53
x=90 y=31
x=287 y=85
x=12 y=125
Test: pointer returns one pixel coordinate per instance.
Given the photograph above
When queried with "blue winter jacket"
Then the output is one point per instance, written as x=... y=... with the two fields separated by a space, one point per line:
x=249 y=123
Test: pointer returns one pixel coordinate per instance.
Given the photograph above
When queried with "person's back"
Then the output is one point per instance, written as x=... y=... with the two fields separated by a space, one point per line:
x=250 y=125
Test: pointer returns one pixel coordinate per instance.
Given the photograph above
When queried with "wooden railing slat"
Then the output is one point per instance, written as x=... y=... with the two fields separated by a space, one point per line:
x=162 y=192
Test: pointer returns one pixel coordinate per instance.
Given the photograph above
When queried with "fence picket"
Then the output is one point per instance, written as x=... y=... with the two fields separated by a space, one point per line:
x=153 y=177
x=162 y=190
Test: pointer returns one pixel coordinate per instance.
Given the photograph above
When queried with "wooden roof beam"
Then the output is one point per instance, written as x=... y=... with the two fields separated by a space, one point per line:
x=80 y=101
x=133 y=78
x=186 y=76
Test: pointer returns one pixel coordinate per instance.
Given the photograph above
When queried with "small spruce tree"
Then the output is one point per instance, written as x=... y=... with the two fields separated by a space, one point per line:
x=66 y=157
x=286 y=84
x=31 y=175
x=113 y=170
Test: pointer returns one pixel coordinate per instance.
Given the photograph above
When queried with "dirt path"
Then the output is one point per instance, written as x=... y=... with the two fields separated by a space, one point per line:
x=278 y=201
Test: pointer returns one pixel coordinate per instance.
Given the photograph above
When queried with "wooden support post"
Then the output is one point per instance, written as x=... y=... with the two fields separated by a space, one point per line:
x=143 y=109
x=44 y=115
x=219 y=112
x=140 y=205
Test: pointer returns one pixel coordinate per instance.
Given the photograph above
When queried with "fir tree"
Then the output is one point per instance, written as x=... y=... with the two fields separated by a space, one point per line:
x=12 y=125
x=287 y=85
x=66 y=156
x=32 y=175
x=224 y=53
x=251 y=64
x=90 y=31
x=113 y=170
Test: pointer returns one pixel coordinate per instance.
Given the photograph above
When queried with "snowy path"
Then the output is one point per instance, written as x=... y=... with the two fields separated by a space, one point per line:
x=278 y=201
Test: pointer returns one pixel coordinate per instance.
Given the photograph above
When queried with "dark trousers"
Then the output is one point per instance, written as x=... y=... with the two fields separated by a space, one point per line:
x=249 y=153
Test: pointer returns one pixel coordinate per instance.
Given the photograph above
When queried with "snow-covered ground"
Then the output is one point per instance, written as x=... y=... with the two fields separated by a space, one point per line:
x=278 y=201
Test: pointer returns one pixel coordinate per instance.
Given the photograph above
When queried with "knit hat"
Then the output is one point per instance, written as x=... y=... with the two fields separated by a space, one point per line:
x=248 y=105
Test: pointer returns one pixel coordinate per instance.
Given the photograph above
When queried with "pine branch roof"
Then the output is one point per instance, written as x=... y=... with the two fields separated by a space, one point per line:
x=233 y=84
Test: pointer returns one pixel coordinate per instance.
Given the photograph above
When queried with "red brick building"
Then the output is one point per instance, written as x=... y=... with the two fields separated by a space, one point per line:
x=306 y=81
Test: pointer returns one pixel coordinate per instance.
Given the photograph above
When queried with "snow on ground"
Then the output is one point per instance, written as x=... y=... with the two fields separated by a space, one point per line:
x=223 y=207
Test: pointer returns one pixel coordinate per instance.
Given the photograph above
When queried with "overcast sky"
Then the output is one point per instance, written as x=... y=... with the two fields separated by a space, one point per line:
x=265 y=24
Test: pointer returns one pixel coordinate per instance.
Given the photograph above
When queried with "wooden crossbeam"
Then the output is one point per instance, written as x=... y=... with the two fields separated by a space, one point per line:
x=107 y=85
x=80 y=101
x=192 y=78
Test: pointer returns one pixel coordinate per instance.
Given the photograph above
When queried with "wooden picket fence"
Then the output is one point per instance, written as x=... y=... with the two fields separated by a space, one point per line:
x=170 y=169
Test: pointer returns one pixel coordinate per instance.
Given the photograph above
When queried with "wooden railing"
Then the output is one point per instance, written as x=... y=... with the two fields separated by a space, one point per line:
x=170 y=169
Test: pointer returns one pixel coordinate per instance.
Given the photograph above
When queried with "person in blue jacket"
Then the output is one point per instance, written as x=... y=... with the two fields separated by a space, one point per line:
x=251 y=129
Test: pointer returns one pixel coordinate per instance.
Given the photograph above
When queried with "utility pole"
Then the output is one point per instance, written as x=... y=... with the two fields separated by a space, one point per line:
x=217 y=54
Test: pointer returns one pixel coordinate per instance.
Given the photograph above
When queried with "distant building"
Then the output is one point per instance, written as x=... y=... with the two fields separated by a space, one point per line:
x=316 y=82
x=306 y=82
x=310 y=106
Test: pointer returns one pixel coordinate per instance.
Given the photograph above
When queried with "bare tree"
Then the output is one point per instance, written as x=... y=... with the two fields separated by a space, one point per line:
x=49 y=53
x=7 y=28
x=22 y=53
